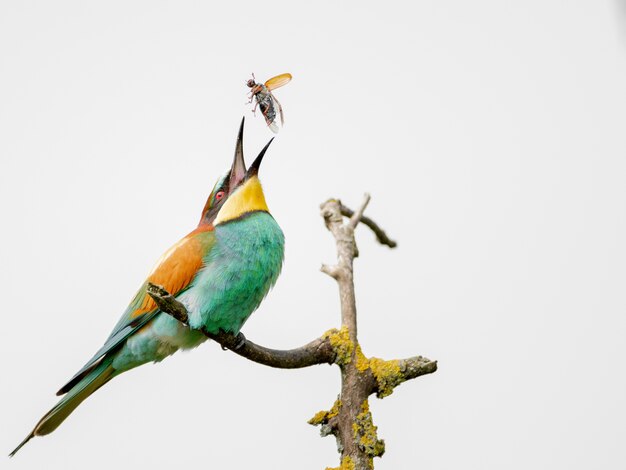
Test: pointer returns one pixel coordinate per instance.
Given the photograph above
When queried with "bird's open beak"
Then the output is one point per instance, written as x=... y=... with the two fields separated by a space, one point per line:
x=238 y=170
x=254 y=168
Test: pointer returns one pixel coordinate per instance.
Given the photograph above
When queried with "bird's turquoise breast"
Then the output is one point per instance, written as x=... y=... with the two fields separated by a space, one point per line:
x=238 y=272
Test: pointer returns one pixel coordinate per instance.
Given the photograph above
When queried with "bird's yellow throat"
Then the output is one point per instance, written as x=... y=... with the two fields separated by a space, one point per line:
x=249 y=197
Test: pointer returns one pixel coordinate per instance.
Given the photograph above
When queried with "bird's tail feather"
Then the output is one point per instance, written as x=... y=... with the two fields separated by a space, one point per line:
x=88 y=385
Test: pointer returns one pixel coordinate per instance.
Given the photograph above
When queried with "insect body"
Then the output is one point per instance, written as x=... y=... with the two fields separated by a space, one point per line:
x=266 y=101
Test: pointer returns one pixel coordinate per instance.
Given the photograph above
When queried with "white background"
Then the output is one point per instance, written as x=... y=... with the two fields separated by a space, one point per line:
x=491 y=136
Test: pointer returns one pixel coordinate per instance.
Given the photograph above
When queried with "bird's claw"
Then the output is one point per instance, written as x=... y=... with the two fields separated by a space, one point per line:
x=241 y=340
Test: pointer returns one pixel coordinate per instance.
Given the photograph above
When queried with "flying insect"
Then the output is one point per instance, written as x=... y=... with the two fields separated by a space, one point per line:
x=266 y=101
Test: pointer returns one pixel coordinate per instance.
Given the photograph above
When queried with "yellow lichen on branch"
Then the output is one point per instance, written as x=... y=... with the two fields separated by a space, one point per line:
x=362 y=363
x=322 y=417
x=341 y=344
x=388 y=375
x=365 y=434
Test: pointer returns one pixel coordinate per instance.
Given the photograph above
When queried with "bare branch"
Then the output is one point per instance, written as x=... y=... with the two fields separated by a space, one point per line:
x=416 y=366
x=356 y=217
x=318 y=351
x=346 y=251
x=389 y=374
x=331 y=270
x=381 y=236
x=167 y=303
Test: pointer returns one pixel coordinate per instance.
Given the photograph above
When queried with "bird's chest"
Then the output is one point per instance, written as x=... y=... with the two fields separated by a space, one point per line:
x=241 y=268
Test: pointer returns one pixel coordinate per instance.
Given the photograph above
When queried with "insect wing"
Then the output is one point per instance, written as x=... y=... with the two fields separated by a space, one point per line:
x=269 y=113
x=266 y=104
x=280 y=109
x=273 y=127
x=278 y=81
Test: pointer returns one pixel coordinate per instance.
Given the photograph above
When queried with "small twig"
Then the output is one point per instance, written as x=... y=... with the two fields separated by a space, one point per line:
x=346 y=252
x=318 y=351
x=416 y=366
x=358 y=215
x=331 y=270
x=167 y=303
x=381 y=236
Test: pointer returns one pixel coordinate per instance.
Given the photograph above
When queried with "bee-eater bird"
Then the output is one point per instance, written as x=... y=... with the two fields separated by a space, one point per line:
x=221 y=272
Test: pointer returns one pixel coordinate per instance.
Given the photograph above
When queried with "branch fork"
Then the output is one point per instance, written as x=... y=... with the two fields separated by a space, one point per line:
x=349 y=419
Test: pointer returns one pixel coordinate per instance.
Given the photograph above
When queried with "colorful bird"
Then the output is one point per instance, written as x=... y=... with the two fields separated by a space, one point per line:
x=221 y=272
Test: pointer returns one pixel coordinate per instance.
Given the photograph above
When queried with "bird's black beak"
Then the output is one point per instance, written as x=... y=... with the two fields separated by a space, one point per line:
x=254 y=168
x=238 y=170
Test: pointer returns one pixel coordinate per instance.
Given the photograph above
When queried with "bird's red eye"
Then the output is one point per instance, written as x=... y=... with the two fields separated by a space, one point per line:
x=219 y=196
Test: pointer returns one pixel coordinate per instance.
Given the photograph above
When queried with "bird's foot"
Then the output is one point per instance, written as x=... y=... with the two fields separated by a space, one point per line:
x=241 y=341
x=232 y=342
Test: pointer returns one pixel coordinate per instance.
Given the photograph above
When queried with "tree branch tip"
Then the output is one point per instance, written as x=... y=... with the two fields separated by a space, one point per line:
x=331 y=270
x=330 y=200
x=380 y=234
x=156 y=289
x=167 y=303
x=358 y=214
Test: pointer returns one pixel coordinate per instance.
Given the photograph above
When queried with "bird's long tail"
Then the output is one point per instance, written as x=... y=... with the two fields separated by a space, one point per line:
x=89 y=384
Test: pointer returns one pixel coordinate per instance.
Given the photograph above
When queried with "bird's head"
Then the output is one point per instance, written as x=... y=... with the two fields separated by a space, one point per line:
x=238 y=192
